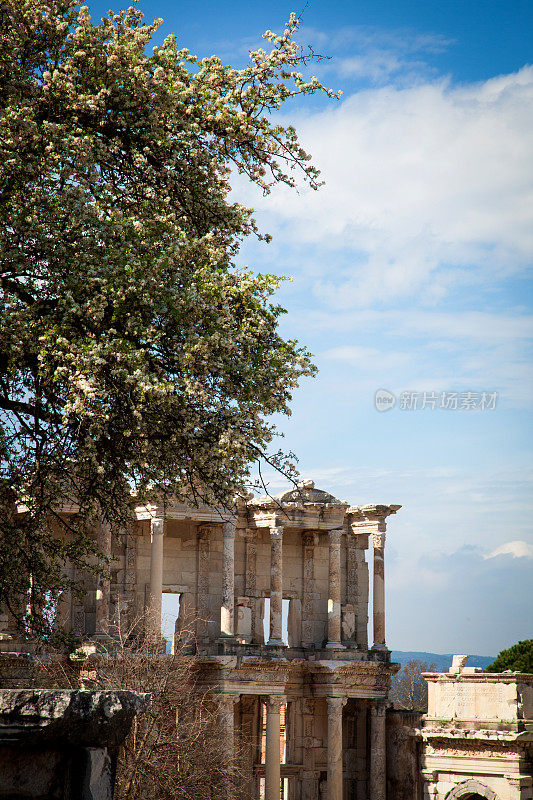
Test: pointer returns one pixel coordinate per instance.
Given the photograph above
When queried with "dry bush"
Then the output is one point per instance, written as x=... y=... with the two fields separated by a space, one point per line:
x=174 y=750
x=409 y=690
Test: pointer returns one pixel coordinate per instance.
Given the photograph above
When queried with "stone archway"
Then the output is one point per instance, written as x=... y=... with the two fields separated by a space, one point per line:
x=471 y=790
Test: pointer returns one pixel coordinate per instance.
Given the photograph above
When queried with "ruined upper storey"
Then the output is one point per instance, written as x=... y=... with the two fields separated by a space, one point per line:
x=292 y=566
x=297 y=558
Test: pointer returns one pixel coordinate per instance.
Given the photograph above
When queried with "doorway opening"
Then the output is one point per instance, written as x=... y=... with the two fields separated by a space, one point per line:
x=283 y=733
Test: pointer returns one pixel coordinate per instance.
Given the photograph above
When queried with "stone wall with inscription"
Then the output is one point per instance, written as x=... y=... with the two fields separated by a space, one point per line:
x=477 y=737
x=479 y=697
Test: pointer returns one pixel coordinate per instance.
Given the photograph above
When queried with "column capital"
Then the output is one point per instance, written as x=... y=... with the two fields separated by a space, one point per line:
x=309 y=538
x=204 y=531
x=378 y=539
x=274 y=702
x=335 y=534
x=276 y=532
x=378 y=707
x=228 y=699
x=335 y=703
x=157 y=525
x=228 y=528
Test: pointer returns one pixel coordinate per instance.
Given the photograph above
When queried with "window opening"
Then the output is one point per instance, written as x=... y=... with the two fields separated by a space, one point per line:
x=170 y=609
x=284 y=620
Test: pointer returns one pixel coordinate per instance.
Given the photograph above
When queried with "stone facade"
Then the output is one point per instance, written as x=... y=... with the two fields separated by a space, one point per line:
x=303 y=548
x=477 y=737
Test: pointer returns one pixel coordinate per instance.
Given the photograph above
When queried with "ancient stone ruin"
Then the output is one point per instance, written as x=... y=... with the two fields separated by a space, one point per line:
x=477 y=737
x=61 y=744
x=273 y=605
x=318 y=687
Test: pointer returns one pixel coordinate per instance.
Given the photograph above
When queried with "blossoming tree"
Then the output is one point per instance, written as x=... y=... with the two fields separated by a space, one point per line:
x=134 y=355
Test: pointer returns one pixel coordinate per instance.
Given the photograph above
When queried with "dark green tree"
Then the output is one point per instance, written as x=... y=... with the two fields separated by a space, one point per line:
x=518 y=658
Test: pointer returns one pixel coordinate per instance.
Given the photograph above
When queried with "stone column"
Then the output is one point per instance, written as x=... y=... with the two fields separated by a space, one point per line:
x=183 y=639
x=335 y=754
x=378 y=766
x=63 y=614
x=226 y=708
x=202 y=583
x=429 y=784
x=352 y=588
x=103 y=586
x=309 y=541
x=126 y=608
x=156 y=575
x=276 y=585
x=294 y=622
x=272 y=755
x=227 y=611
x=250 y=584
x=334 y=595
x=250 y=537
x=379 y=591
x=309 y=779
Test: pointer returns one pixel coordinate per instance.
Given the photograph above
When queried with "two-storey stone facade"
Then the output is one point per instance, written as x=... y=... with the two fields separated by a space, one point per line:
x=313 y=682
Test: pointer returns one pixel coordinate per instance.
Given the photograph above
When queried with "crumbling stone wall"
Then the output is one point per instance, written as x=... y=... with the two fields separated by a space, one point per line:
x=403 y=768
x=62 y=744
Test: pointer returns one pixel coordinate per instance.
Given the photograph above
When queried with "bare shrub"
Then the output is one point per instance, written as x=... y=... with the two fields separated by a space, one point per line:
x=409 y=690
x=175 y=750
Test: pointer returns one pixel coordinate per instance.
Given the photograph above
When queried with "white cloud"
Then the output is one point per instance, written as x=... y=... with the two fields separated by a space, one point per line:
x=365 y=52
x=367 y=358
x=517 y=549
x=428 y=350
x=474 y=326
x=429 y=186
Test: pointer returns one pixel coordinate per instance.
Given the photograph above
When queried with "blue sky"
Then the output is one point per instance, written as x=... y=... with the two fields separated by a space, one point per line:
x=411 y=273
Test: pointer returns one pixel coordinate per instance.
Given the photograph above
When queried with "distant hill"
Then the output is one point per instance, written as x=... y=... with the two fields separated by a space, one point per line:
x=442 y=661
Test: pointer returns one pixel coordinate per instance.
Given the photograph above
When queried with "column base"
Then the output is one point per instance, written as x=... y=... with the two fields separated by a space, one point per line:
x=103 y=639
x=335 y=646
x=227 y=638
x=379 y=646
x=275 y=643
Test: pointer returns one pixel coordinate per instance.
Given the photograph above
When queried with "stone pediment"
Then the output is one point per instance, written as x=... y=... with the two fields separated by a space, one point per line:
x=304 y=494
